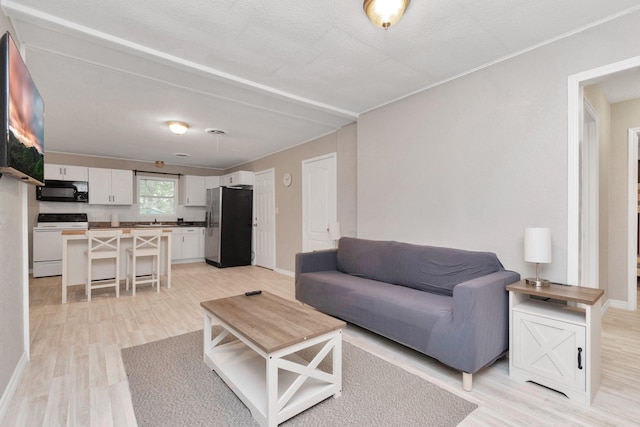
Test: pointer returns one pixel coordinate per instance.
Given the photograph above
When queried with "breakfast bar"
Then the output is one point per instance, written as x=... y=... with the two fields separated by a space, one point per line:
x=74 y=258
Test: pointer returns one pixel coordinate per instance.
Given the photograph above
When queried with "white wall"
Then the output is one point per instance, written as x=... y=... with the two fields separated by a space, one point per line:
x=472 y=162
x=13 y=274
x=13 y=267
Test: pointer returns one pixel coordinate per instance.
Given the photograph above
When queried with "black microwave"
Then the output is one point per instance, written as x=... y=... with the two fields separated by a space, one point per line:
x=63 y=191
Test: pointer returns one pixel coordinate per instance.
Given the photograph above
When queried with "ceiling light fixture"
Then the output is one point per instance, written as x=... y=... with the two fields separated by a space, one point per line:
x=178 y=127
x=384 y=13
x=159 y=164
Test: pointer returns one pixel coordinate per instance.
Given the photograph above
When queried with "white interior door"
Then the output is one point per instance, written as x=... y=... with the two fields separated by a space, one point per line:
x=264 y=222
x=319 y=201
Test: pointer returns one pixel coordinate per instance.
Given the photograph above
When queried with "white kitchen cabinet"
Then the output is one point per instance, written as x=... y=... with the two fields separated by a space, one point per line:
x=66 y=173
x=212 y=182
x=237 y=178
x=110 y=186
x=194 y=190
x=187 y=244
x=554 y=342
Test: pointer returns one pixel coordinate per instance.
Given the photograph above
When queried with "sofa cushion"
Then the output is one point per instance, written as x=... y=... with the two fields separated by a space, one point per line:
x=403 y=314
x=426 y=268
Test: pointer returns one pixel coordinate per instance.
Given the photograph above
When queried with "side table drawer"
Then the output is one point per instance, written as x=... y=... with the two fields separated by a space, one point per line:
x=553 y=352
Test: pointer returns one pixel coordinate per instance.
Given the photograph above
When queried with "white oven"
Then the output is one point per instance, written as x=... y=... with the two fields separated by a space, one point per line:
x=47 y=241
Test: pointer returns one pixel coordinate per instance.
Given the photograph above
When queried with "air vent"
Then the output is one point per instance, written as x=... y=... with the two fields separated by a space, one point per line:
x=182 y=154
x=214 y=131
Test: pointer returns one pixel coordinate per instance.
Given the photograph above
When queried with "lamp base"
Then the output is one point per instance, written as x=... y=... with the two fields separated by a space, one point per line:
x=539 y=283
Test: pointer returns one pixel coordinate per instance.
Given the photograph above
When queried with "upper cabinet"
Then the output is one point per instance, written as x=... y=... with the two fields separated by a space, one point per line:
x=66 y=173
x=110 y=186
x=194 y=190
x=211 y=182
x=237 y=178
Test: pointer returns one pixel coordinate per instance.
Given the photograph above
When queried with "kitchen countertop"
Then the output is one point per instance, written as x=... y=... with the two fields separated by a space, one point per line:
x=125 y=230
x=138 y=224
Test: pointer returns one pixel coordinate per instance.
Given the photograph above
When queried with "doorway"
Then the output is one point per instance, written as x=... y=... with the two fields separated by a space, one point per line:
x=576 y=83
x=319 y=201
x=264 y=224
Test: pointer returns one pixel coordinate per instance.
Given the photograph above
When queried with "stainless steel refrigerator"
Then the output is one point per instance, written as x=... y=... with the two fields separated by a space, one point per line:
x=229 y=228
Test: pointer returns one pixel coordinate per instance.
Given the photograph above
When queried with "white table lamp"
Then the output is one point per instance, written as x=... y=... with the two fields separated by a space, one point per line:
x=537 y=248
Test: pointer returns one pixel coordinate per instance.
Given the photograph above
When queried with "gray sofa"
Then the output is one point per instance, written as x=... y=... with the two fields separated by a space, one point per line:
x=449 y=304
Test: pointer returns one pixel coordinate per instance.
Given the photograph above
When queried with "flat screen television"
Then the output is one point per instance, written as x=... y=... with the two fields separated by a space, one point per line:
x=21 y=118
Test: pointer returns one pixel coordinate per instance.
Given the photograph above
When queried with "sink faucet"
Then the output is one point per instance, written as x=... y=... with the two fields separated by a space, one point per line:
x=155 y=220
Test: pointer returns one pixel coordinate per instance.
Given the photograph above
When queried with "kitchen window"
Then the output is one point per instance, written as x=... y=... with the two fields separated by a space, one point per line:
x=157 y=196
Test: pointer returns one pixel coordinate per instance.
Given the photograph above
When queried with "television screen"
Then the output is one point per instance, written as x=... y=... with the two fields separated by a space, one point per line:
x=22 y=120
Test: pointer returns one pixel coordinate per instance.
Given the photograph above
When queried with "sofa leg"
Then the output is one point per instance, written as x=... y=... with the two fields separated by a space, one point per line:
x=467 y=381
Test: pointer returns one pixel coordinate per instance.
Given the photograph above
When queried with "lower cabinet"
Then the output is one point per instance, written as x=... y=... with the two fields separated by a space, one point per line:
x=550 y=346
x=554 y=338
x=187 y=244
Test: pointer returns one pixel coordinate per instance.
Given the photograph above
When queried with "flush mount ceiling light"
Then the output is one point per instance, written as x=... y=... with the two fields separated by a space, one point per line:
x=159 y=164
x=385 y=13
x=178 y=127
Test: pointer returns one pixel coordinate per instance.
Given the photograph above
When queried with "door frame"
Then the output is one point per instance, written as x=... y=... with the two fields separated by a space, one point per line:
x=590 y=212
x=575 y=84
x=272 y=203
x=334 y=156
x=632 y=150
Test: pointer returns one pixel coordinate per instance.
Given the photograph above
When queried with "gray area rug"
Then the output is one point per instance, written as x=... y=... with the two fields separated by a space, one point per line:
x=171 y=386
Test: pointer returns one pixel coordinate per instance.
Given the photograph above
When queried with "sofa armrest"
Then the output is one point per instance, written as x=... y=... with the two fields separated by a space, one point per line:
x=308 y=262
x=481 y=318
x=473 y=300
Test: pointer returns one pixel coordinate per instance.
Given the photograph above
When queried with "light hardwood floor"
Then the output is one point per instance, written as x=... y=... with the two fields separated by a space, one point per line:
x=76 y=378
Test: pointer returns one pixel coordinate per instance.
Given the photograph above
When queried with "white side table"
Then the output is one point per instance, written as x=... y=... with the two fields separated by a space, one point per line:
x=554 y=342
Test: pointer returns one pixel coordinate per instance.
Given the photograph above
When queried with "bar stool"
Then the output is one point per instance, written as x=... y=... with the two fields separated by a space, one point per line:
x=102 y=245
x=146 y=243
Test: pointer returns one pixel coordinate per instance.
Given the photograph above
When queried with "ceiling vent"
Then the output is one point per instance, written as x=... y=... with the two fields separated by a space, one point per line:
x=214 y=131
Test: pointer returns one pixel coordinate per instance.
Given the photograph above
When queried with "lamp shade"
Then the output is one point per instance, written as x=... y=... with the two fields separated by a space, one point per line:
x=334 y=231
x=537 y=245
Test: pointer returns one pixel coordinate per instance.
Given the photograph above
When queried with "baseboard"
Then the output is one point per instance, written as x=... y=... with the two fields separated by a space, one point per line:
x=614 y=303
x=8 y=393
x=285 y=272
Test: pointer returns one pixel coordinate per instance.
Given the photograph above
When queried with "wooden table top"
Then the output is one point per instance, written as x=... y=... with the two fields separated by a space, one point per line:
x=270 y=322
x=578 y=294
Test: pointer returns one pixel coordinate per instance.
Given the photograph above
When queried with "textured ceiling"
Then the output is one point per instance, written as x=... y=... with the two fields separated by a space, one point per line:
x=271 y=74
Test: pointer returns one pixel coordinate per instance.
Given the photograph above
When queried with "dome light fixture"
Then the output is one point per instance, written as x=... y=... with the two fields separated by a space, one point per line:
x=385 y=13
x=178 y=127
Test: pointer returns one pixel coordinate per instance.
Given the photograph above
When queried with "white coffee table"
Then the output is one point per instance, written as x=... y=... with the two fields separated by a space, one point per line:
x=260 y=364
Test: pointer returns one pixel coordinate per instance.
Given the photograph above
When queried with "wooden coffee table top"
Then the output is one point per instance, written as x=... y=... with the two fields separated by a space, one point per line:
x=270 y=322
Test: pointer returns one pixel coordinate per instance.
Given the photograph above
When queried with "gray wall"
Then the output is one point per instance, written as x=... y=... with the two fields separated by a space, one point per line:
x=13 y=269
x=289 y=199
x=473 y=162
